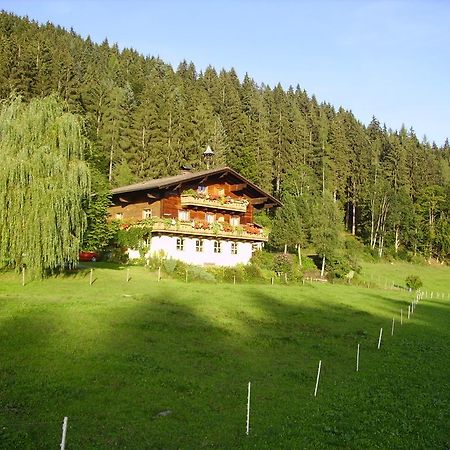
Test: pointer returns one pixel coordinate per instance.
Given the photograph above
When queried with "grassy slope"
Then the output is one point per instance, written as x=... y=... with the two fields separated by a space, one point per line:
x=112 y=355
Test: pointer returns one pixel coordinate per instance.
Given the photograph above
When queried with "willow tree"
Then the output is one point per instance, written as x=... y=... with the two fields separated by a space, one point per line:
x=43 y=181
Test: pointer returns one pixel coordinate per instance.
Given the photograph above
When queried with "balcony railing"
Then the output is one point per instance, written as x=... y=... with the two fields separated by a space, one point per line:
x=215 y=229
x=225 y=203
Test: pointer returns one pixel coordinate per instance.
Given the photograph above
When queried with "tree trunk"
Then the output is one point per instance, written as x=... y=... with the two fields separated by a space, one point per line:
x=353 y=217
x=397 y=238
x=323 y=267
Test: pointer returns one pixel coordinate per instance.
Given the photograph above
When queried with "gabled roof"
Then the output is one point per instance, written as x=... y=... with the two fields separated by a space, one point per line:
x=175 y=180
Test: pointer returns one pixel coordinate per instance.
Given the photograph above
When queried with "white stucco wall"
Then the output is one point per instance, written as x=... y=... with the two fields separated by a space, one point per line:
x=168 y=244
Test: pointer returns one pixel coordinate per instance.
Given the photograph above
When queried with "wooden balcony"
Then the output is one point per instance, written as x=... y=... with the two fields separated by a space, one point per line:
x=225 y=203
x=215 y=231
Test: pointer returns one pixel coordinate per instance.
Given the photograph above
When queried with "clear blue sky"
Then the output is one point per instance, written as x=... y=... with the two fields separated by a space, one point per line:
x=385 y=58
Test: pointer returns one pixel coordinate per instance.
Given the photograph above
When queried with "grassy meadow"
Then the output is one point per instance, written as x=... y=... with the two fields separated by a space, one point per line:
x=114 y=355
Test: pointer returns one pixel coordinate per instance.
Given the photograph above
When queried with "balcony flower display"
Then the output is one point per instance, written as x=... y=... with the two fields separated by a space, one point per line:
x=191 y=197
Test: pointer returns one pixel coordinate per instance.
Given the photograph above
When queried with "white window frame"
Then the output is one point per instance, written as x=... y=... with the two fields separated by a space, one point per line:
x=235 y=221
x=217 y=247
x=183 y=215
x=147 y=213
x=199 y=245
x=180 y=244
x=119 y=216
x=234 y=248
x=210 y=217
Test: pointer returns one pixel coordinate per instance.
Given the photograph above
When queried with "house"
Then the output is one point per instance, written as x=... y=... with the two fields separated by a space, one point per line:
x=203 y=218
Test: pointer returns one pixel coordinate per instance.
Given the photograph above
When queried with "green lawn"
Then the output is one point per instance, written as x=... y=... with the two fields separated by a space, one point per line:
x=113 y=355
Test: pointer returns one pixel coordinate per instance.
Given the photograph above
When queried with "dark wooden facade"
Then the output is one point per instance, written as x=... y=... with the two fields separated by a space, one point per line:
x=163 y=197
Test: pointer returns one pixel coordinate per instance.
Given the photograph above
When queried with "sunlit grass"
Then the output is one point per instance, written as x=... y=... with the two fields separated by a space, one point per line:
x=113 y=355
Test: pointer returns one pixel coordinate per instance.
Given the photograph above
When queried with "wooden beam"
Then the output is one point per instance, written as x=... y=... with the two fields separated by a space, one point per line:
x=204 y=179
x=269 y=205
x=223 y=175
x=153 y=196
x=123 y=200
x=259 y=200
x=238 y=187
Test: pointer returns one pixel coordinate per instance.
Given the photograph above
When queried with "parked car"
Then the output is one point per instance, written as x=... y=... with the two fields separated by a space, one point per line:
x=89 y=256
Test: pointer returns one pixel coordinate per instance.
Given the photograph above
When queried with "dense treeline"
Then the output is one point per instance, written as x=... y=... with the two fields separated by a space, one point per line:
x=146 y=119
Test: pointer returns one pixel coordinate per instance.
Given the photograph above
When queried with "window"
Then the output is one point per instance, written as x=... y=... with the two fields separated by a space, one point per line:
x=234 y=248
x=217 y=247
x=199 y=245
x=119 y=216
x=183 y=215
x=209 y=217
x=202 y=189
x=221 y=192
x=235 y=221
x=256 y=246
x=147 y=214
x=180 y=244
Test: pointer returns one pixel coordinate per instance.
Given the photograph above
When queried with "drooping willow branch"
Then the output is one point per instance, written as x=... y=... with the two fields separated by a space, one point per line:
x=43 y=180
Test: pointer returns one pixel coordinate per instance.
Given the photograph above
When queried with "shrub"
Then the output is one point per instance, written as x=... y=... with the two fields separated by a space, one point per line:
x=413 y=282
x=169 y=265
x=262 y=259
x=237 y=271
x=283 y=262
x=253 y=272
x=308 y=263
x=198 y=273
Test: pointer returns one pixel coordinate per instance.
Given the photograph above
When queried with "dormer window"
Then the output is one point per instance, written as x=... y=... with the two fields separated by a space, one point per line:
x=202 y=189
x=147 y=214
x=210 y=218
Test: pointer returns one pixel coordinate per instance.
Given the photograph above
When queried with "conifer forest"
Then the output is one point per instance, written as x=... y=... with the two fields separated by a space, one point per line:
x=145 y=119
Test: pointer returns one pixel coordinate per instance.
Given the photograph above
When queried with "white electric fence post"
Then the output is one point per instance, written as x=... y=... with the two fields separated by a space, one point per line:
x=393 y=324
x=159 y=274
x=357 y=359
x=401 y=316
x=128 y=275
x=90 y=278
x=409 y=311
x=234 y=279
x=317 y=380
x=248 y=409
x=379 y=338
x=23 y=276
x=64 y=432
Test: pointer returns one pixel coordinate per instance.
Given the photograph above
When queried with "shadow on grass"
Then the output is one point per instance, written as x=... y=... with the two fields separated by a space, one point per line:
x=112 y=370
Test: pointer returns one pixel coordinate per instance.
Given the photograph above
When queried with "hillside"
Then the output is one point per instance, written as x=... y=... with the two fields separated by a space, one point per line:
x=145 y=119
x=166 y=365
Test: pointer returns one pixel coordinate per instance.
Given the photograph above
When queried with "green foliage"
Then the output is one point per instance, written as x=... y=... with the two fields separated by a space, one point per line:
x=169 y=265
x=283 y=263
x=134 y=237
x=187 y=346
x=43 y=182
x=262 y=259
x=413 y=282
x=146 y=119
